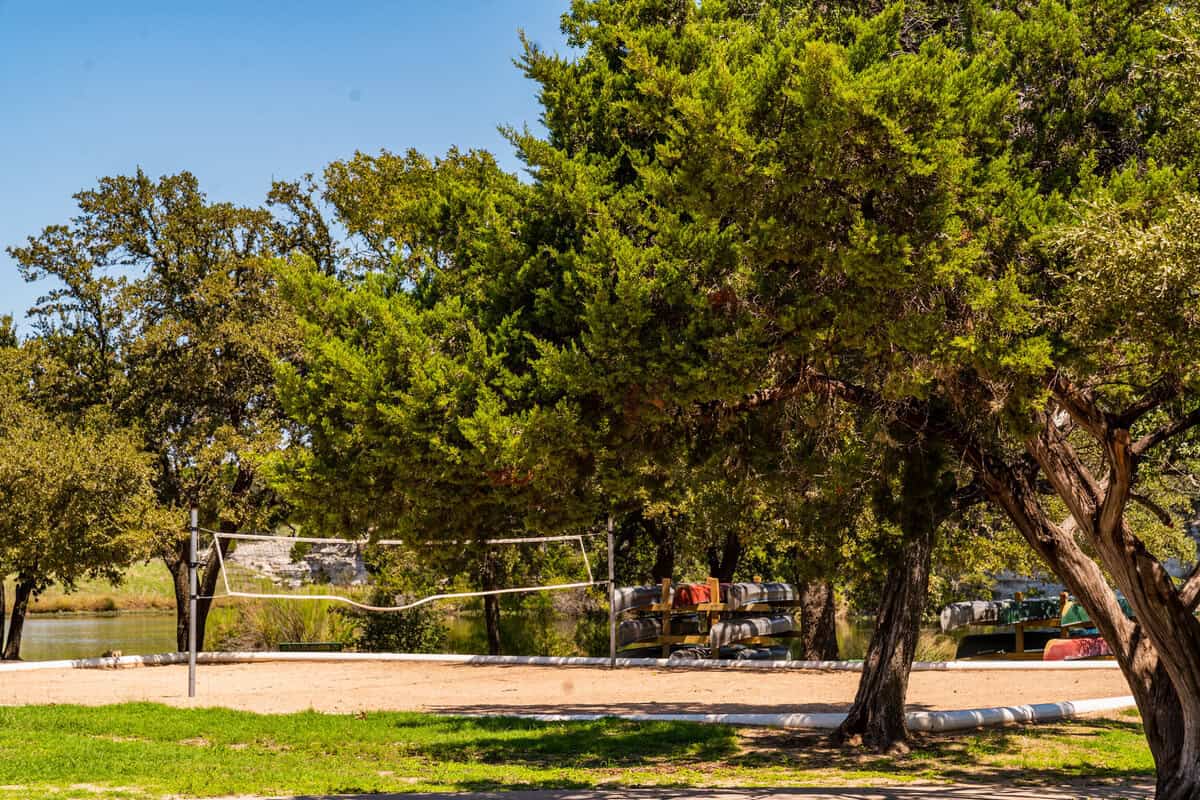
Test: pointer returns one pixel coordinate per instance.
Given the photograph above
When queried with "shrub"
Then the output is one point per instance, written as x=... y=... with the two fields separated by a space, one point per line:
x=261 y=624
x=415 y=630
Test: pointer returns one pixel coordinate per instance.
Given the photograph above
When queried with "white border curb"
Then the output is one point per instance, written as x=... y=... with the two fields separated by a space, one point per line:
x=928 y=721
x=555 y=661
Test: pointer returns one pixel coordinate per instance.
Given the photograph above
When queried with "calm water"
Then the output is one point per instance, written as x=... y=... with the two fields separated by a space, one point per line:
x=47 y=638
x=83 y=636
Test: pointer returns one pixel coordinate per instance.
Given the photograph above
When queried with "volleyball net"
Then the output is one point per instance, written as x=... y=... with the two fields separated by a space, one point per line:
x=269 y=566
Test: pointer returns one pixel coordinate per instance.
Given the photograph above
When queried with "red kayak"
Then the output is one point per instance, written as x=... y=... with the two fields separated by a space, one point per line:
x=693 y=594
x=1075 y=648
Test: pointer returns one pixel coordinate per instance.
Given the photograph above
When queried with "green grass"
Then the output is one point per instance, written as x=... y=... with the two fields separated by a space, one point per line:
x=140 y=751
x=146 y=587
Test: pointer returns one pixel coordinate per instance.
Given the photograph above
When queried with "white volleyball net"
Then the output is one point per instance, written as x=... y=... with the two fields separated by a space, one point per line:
x=268 y=566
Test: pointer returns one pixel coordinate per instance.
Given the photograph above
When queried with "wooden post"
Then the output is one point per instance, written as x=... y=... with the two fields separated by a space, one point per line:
x=1020 y=626
x=612 y=601
x=665 y=601
x=714 y=596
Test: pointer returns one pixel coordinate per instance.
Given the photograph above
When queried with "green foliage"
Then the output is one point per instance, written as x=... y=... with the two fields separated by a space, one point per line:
x=76 y=493
x=417 y=630
x=161 y=308
x=261 y=624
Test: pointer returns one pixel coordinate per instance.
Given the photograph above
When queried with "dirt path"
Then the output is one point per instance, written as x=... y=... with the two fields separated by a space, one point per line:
x=406 y=686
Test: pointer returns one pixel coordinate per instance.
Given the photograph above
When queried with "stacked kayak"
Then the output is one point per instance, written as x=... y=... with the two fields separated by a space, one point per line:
x=646 y=629
x=735 y=630
x=999 y=612
x=739 y=620
x=1053 y=629
x=631 y=598
x=784 y=595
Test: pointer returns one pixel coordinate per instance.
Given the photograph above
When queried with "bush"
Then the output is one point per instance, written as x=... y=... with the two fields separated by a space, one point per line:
x=416 y=630
x=261 y=624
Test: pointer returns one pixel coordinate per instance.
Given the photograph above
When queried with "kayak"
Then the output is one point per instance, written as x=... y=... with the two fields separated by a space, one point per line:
x=1075 y=648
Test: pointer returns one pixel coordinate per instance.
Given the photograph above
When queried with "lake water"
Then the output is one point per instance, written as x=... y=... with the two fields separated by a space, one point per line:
x=47 y=638
x=83 y=636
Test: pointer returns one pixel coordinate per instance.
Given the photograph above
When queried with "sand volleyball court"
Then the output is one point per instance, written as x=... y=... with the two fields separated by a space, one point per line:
x=280 y=687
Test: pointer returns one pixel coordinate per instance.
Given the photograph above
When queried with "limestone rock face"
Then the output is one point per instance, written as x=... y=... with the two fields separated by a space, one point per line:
x=299 y=564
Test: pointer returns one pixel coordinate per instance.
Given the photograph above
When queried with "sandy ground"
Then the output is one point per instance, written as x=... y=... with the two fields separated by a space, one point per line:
x=399 y=686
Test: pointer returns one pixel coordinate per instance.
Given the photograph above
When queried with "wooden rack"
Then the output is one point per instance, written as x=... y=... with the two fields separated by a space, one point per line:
x=713 y=609
x=1019 y=652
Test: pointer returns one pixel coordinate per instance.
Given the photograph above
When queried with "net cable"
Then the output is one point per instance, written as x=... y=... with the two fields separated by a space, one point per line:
x=359 y=544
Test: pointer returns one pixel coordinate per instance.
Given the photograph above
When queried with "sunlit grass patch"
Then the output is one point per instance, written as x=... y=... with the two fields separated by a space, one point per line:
x=140 y=751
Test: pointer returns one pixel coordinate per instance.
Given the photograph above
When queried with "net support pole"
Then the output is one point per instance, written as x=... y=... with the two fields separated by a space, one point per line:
x=193 y=591
x=612 y=599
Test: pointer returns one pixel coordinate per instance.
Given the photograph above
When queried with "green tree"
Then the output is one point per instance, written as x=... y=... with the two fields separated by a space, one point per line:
x=163 y=310
x=971 y=221
x=410 y=395
x=76 y=496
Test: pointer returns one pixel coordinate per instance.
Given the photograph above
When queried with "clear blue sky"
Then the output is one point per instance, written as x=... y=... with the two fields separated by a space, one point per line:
x=243 y=92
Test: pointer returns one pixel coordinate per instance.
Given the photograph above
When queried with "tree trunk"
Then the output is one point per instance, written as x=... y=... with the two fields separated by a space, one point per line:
x=209 y=574
x=491 y=605
x=922 y=500
x=664 y=556
x=877 y=715
x=818 y=622
x=179 y=582
x=491 y=618
x=723 y=562
x=3 y=614
x=12 y=643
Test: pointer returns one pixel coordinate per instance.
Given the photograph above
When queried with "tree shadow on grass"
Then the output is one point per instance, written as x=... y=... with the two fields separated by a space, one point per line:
x=603 y=743
x=1007 y=755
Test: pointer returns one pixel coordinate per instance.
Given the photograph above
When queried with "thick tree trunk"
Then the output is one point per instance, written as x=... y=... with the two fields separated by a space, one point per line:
x=925 y=498
x=878 y=714
x=179 y=582
x=723 y=561
x=491 y=604
x=491 y=619
x=12 y=643
x=210 y=573
x=818 y=622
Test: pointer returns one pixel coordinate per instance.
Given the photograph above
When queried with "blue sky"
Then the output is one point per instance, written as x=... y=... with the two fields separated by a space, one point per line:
x=243 y=92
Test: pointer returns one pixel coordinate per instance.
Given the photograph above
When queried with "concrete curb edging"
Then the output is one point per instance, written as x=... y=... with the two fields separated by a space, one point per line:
x=161 y=659
x=925 y=721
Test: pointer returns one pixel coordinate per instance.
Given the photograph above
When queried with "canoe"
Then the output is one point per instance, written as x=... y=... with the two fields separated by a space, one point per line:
x=1075 y=648
x=997 y=612
x=745 y=594
x=1000 y=643
x=729 y=631
x=630 y=598
x=648 y=629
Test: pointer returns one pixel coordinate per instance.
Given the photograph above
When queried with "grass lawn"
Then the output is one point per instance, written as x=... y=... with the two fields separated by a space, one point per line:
x=146 y=587
x=152 y=751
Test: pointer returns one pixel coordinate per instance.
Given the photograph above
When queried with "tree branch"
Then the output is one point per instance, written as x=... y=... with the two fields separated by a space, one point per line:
x=1081 y=405
x=1189 y=592
x=1171 y=429
x=1162 y=391
x=1111 y=514
x=1154 y=508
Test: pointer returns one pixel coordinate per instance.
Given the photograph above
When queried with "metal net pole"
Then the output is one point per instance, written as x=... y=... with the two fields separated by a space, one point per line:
x=612 y=597
x=193 y=591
